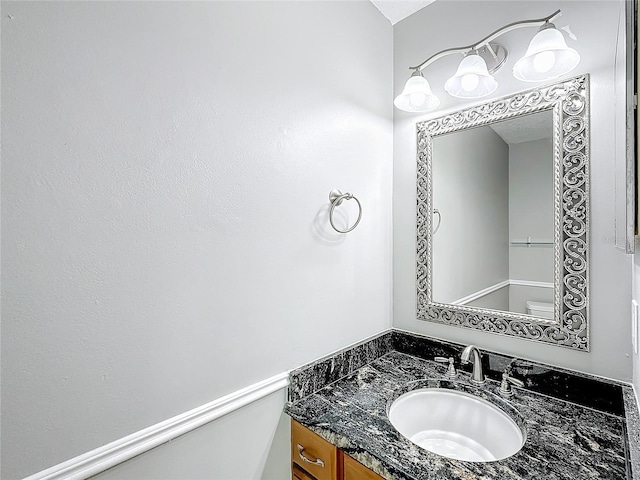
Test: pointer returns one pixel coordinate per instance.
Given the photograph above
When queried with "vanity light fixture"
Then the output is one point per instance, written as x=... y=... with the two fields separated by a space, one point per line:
x=417 y=95
x=472 y=79
x=547 y=57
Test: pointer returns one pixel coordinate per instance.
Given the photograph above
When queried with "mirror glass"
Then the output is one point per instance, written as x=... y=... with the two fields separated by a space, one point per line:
x=502 y=226
x=493 y=201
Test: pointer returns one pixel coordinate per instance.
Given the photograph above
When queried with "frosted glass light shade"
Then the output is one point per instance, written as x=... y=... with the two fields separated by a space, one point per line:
x=547 y=57
x=472 y=79
x=417 y=95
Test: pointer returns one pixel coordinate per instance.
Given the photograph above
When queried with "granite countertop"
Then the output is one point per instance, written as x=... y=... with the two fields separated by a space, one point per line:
x=564 y=440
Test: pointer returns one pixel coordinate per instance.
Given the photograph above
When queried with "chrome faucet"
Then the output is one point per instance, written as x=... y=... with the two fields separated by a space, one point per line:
x=478 y=375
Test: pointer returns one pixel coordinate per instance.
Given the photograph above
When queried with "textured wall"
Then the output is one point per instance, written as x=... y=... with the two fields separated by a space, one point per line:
x=165 y=178
x=595 y=23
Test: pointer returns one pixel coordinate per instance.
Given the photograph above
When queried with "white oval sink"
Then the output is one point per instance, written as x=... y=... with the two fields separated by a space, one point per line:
x=456 y=425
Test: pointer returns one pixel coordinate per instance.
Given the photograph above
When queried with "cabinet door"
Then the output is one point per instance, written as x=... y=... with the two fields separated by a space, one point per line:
x=356 y=471
x=312 y=453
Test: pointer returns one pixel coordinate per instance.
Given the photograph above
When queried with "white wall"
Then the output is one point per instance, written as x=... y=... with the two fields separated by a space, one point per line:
x=441 y=26
x=531 y=209
x=471 y=192
x=220 y=449
x=531 y=216
x=496 y=300
x=166 y=171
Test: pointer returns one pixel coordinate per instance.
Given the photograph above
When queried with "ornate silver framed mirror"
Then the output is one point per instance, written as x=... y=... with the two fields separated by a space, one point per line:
x=503 y=216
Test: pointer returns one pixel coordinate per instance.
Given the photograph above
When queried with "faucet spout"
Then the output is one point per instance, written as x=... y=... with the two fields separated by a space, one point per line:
x=478 y=374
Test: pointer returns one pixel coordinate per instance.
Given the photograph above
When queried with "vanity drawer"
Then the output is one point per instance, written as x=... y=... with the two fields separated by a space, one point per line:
x=320 y=455
x=354 y=470
x=298 y=474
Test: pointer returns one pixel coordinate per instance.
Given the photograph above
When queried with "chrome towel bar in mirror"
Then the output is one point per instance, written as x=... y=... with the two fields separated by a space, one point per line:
x=336 y=197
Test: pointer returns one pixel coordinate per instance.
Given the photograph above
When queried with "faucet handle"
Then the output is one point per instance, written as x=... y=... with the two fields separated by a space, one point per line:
x=451 y=370
x=505 y=386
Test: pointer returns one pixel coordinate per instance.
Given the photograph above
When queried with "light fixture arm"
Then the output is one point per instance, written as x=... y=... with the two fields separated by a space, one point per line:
x=474 y=46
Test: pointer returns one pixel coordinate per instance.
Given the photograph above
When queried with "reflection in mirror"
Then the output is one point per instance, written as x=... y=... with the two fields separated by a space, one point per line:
x=493 y=186
x=503 y=216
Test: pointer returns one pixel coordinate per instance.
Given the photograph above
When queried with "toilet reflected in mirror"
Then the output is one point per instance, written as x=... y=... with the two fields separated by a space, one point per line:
x=540 y=309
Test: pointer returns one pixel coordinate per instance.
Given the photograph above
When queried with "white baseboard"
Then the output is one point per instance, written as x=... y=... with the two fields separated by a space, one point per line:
x=121 y=450
x=528 y=283
x=498 y=286
x=481 y=293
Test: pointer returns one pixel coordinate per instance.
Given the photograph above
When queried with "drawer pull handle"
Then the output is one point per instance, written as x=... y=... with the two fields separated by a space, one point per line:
x=317 y=461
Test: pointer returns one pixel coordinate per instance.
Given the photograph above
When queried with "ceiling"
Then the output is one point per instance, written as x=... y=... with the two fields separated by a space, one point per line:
x=396 y=10
x=525 y=128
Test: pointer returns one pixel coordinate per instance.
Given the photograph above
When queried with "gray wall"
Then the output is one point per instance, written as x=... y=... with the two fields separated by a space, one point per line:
x=530 y=215
x=497 y=300
x=253 y=442
x=531 y=209
x=441 y=26
x=165 y=180
x=519 y=295
x=471 y=191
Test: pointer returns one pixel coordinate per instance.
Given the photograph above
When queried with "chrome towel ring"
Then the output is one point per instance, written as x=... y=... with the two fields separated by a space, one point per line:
x=336 y=197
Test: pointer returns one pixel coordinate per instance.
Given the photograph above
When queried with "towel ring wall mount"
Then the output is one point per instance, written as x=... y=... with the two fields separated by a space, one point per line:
x=336 y=197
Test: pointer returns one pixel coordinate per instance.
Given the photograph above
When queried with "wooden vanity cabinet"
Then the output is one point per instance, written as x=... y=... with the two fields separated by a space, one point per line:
x=312 y=454
x=313 y=458
x=353 y=470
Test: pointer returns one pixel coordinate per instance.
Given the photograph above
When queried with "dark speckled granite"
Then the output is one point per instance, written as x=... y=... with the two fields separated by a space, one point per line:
x=564 y=440
x=578 y=426
x=633 y=432
x=314 y=376
x=600 y=394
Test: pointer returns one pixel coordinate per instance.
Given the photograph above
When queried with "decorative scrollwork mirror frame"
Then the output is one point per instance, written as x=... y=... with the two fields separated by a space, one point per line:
x=569 y=101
